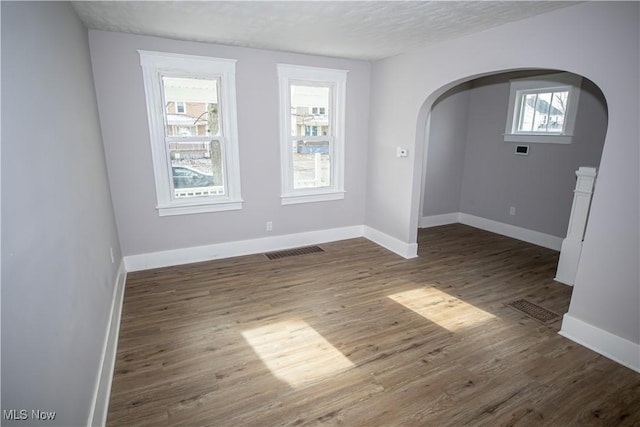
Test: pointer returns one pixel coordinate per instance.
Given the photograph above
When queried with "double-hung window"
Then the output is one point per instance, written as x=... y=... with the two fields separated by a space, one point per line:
x=312 y=129
x=543 y=108
x=191 y=106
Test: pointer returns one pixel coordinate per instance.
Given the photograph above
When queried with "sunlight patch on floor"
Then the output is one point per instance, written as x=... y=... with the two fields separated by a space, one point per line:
x=441 y=308
x=295 y=352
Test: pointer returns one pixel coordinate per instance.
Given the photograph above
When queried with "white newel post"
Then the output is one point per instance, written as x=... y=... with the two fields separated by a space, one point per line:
x=572 y=244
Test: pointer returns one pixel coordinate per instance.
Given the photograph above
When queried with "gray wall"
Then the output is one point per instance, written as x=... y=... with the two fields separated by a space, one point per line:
x=540 y=185
x=57 y=217
x=445 y=152
x=600 y=37
x=121 y=102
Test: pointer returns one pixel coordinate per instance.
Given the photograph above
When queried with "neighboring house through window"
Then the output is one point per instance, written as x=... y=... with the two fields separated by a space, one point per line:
x=312 y=117
x=191 y=105
x=543 y=108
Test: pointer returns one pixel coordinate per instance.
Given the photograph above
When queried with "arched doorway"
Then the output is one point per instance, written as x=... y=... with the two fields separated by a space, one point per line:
x=470 y=174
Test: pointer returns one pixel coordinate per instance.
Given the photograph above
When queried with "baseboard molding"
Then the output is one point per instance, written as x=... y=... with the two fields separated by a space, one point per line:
x=611 y=346
x=239 y=248
x=266 y=244
x=100 y=402
x=405 y=250
x=437 y=220
x=519 y=233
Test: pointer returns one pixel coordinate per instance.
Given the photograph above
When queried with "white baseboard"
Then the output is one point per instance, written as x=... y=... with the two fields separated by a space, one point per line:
x=530 y=236
x=519 y=233
x=406 y=250
x=100 y=402
x=436 y=220
x=266 y=244
x=239 y=248
x=618 y=349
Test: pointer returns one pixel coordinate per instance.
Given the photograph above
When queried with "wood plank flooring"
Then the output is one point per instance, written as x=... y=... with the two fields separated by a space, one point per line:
x=357 y=336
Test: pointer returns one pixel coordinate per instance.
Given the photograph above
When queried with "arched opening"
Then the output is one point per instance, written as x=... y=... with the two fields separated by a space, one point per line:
x=471 y=174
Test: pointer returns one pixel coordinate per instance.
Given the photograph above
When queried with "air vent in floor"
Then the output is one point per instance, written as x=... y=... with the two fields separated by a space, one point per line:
x=534 y=311
x=294 y=252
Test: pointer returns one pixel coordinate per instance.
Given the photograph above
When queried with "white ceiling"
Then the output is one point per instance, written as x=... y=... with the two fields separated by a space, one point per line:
x=366 y=30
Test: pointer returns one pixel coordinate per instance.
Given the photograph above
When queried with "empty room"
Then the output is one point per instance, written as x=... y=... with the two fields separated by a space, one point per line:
x=300 y=213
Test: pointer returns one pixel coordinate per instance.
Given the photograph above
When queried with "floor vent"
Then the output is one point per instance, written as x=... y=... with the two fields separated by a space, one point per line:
x=294 y=252
x=534 y=311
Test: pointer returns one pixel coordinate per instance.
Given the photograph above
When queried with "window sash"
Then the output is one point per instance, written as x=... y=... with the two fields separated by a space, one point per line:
x=195 y=138
x=311 y=156
x=331 y=105
x=521 y=107
x=309 y=135
x=224 y=166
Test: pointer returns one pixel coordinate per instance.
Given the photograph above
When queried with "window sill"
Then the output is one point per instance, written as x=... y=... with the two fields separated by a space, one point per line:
x=292 y=199
x=194 y=208
x=539 y=139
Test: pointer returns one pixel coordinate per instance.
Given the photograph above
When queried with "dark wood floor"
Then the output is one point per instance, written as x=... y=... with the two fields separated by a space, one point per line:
x=359 y=336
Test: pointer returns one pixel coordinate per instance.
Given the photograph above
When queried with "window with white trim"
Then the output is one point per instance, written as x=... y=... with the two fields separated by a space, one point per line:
x=543 y=108
x=191 y=106
x=312 y=122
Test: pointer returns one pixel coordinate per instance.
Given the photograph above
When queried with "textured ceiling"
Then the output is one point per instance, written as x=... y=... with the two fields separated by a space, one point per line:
x=367 y=30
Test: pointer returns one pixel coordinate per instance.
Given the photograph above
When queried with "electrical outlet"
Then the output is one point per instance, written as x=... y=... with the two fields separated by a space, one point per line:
x=512 y=210
x=269 y=226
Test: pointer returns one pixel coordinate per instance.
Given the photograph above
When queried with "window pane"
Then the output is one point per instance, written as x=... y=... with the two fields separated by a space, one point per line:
x=191 y=106
x=309 y=109
x=543 y=112
x=541 y=118
x=557 y=112
x=197 y=168
x=527 y=113
x=311 y=164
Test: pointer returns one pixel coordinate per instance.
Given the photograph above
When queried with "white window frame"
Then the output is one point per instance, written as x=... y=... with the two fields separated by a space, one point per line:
x=542 y=84
x=156 y=65
x=336 y=80
x=184 y=107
